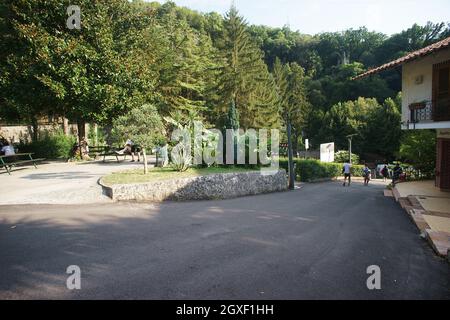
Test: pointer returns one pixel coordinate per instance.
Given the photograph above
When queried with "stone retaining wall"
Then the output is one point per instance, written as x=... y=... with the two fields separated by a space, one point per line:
x=217 y=186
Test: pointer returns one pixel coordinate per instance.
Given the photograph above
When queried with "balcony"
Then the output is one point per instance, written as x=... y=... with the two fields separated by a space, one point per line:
x=430 y=111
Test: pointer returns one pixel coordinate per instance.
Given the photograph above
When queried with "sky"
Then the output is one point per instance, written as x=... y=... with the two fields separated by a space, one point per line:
x=315 y=16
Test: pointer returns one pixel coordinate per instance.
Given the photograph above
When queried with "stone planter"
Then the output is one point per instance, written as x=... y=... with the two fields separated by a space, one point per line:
x=210 y=187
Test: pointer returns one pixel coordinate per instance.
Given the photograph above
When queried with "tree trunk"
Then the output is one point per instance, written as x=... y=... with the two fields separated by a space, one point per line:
x=35 y=127
x=81 y=130
x=96 y=134
x=144 y=155
x=295 y=137
x=81 y=134
x=66 y=126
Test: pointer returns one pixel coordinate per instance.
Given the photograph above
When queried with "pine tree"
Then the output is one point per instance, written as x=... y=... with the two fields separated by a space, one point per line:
x=291 y=97
x=186 y=69
x=232 y=117
x=244 y=77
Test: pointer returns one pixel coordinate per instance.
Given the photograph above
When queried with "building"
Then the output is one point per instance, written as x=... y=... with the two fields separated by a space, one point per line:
x=426 y=98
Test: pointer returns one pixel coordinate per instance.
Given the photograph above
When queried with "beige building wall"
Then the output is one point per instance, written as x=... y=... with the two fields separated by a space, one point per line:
x=417 y=82
x=16 y=133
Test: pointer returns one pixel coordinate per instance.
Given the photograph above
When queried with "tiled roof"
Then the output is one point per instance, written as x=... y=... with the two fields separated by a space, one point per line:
x=410 y=56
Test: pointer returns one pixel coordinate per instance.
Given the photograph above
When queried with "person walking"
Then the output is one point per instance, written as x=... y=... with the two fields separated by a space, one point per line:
x=385 y=173
x=398 y=171
x=366 y=172
x=346 y=170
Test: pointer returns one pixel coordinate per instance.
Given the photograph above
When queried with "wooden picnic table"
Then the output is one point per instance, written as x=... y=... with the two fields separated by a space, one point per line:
x=10 y=161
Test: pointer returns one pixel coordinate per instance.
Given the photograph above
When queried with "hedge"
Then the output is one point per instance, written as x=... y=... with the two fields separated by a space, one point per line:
x=310 y=170
x=50 y=146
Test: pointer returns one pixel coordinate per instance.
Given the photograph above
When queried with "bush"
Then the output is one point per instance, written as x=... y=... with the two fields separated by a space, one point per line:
x=418 y=147
x=310 y=170
x=50 y=146
x=342 y=157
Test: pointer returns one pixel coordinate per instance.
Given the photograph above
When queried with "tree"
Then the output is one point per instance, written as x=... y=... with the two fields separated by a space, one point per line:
x=383 y=132
x=93 y=74
x=232 y=117
x=342 y=156
x=244 y=76
x=299 y=107
x=143 y=126
x=187 y=64
x=377 y=126
x=293 y=104
x=418 y=148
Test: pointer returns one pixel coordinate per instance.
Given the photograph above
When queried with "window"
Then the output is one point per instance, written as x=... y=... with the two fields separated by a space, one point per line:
x=441 y=91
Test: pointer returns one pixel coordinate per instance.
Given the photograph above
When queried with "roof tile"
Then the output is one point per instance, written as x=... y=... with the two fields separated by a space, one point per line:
x=410 y=56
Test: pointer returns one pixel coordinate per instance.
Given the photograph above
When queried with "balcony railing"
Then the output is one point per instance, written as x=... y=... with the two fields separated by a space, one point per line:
x=430 y=111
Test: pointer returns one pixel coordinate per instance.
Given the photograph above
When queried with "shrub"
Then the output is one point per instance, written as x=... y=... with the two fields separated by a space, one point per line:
x=310 y=170
x=50 y=146
x=342 y=157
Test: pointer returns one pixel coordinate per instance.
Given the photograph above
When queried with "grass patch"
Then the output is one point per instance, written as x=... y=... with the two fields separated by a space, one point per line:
x=156 y=174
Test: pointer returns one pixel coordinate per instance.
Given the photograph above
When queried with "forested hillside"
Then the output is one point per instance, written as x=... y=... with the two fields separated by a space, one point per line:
x=192 y=65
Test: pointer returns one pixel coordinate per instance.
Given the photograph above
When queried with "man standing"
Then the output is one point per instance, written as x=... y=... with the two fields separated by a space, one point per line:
x=346 y=170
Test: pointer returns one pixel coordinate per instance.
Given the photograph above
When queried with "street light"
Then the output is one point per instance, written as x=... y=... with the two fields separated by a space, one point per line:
x=350 y=138
x=290 y=156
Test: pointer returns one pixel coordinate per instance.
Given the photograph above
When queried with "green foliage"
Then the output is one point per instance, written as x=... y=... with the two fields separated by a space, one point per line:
x=142 y=125
x=232 y=117
x=293 y=104
x=182 y=151
x=311 y=170
x=187 y=64
x=418 y=148
x=244 y=77
x=50 y=145
x=131 y=53
x=377 y=127
x=343 y=156
x=92 y=74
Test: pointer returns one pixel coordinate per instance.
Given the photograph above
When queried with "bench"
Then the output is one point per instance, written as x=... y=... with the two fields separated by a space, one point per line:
x=104 y=151
x=10 y=161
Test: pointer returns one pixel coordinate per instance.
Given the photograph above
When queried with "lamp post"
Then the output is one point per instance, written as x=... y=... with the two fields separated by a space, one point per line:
x=290 y=156
x=350 y=138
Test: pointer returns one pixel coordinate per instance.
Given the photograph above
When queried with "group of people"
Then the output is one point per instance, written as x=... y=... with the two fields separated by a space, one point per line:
x=367 y=173
x=130 y=148
x=347 y=172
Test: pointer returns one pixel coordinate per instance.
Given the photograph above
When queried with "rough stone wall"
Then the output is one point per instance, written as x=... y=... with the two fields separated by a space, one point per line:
x=218 y=186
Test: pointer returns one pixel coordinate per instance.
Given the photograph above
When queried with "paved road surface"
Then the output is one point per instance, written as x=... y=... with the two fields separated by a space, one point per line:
x=313 y=243
x=58 y=182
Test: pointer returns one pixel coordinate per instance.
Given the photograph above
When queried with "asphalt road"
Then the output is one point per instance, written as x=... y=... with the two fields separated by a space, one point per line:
x=313 y=243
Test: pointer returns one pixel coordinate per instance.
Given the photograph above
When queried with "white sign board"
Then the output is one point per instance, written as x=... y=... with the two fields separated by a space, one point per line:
x=307 y=144
x=327 y=152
